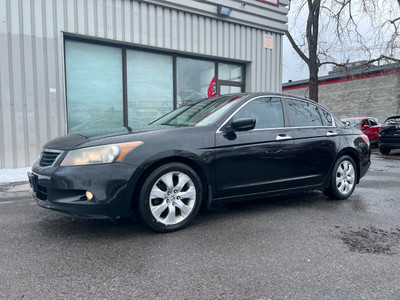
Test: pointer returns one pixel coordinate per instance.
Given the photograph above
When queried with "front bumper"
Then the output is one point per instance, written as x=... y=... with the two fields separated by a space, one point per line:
x=63 y=189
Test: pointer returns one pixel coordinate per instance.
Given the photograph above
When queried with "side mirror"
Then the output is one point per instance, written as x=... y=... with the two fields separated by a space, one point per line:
x=366 y=127
x=243 y=124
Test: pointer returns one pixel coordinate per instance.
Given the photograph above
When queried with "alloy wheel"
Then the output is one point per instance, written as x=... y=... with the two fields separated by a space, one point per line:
x=172 y=198
x=345 y=177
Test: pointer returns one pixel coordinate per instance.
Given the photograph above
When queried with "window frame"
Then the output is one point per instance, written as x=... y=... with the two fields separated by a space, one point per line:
x=174 y=54
x=258 y=99
x=290 y=122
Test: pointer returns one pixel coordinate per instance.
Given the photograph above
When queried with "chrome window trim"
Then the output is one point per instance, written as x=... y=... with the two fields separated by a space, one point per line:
x=280 y=128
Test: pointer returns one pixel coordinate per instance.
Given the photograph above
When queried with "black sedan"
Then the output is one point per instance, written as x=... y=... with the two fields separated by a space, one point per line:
x=389 y=135
x=239 y=146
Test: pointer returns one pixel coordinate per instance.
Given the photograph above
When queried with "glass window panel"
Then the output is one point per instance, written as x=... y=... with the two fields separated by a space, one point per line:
x=94 y=86
x=267 y=112
x=230 y=72
x=150 y=86
x=326 y=117
x=226 y=89
x=193 y=79
x=304 y=114
x=373 y=122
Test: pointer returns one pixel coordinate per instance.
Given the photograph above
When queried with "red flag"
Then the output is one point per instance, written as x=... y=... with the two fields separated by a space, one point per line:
x=212 y=91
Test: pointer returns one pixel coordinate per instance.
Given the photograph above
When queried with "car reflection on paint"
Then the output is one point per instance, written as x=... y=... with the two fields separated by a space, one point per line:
x=239 y=146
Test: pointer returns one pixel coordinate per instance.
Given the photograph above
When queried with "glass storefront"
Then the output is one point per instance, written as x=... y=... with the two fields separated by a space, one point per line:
x=94 y=86
x=193 y=79
x=111 y=86
x=231 y=72
x=150 y=86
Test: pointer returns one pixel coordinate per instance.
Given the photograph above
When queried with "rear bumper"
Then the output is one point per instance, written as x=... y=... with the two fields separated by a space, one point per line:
x=392 y=142
x=63 y=189
x=364 y=166
x=390 y=145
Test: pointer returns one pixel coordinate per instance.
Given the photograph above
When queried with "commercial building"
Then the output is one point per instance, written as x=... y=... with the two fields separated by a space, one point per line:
x=358 y=90
x=72 y=65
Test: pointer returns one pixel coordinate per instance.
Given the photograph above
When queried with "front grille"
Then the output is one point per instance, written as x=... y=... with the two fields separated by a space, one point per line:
x=48 y=158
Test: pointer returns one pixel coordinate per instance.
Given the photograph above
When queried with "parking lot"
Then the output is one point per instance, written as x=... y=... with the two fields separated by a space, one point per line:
x=302 y=246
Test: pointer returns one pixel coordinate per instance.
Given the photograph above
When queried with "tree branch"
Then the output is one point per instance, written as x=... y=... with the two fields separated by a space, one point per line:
x=296 y=48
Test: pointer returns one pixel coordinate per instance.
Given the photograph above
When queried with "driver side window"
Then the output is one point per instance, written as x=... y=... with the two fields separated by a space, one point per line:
x=267 y=112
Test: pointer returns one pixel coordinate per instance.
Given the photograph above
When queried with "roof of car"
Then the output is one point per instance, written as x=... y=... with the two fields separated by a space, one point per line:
x=392 y=117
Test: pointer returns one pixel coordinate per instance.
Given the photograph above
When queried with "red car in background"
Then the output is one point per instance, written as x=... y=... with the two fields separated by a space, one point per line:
x=369 y=126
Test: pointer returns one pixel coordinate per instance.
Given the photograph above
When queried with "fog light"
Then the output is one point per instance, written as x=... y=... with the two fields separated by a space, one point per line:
x=89 y=195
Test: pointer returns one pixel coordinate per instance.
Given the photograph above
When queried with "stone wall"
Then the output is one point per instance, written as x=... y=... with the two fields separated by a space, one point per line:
x=377 y=97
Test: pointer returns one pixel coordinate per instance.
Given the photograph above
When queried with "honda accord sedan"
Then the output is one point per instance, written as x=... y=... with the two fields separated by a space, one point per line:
x=238 y=146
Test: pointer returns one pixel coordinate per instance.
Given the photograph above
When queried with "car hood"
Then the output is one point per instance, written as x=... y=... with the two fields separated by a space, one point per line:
x=72 y=141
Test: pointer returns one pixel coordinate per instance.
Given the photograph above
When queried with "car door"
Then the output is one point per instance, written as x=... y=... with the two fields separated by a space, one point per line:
x=373 y=130
x=315 y=141
x=258 y=160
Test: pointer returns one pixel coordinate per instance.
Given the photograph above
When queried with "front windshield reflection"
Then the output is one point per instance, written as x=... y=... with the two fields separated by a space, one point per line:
x=202 y=113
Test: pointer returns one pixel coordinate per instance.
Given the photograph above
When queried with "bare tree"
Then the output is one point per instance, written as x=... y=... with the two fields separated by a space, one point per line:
x=339 y=31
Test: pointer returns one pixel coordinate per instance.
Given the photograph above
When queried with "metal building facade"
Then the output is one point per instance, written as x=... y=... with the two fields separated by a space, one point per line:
x=32 y=73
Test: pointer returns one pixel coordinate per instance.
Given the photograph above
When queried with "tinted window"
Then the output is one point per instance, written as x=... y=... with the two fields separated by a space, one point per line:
x=303 y=113
x=355 y=123
x=266 y=111
x=326 y=117
x=373 y=122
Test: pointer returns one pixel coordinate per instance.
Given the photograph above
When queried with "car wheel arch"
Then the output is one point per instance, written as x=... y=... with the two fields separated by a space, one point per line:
x=356 y=158
x=171 y=159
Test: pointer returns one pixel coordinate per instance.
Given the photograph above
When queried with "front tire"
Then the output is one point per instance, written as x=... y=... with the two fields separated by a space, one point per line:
x=170 y=197
x=343 y=179
x=384 y=150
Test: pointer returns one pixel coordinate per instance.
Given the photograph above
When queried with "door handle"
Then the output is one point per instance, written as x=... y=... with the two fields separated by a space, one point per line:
x=281 y=137
x=331 y=133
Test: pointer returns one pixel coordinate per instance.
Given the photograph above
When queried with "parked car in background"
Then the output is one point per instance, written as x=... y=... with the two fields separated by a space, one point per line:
x=238 y=146
x=370 y=127
x=389 y=135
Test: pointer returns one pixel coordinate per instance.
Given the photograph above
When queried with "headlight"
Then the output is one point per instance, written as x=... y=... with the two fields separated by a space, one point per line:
x=99 y=154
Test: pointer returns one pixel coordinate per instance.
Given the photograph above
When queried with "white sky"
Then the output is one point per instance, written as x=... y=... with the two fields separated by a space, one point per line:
x=294 y=68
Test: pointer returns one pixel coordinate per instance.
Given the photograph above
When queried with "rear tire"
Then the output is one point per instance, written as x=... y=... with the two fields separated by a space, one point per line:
x=384 y=150
x=170 y=197
x=343 y=179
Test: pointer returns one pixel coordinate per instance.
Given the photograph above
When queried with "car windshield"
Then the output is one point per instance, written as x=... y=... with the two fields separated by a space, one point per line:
x=200 y=114
x=355 y=123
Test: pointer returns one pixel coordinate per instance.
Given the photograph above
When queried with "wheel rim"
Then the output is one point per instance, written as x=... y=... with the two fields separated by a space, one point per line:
x=172 y=198
x=345 y=177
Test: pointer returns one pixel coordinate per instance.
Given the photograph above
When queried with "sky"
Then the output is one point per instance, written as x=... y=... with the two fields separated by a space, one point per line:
x=294 y=68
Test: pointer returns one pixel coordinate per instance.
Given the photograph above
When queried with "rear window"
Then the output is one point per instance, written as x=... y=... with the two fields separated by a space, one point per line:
x=306 y=114
x=395 y=120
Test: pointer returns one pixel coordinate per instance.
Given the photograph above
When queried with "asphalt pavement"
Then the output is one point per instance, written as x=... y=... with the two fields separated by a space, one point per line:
x=302 y=246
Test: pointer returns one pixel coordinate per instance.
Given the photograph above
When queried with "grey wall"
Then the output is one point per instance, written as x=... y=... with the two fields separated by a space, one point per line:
x=32 y=91
x=377 y=97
